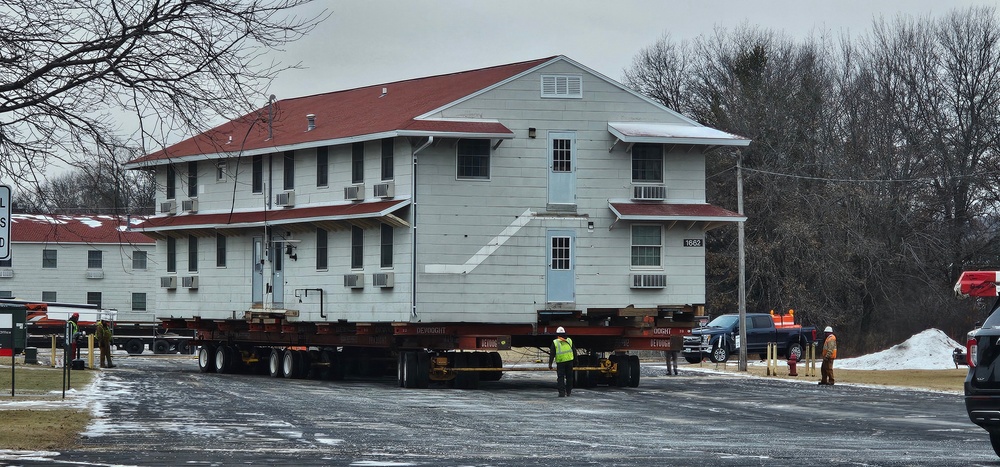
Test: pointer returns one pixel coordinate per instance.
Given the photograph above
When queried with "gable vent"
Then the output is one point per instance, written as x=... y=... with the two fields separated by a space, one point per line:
x=563 y=86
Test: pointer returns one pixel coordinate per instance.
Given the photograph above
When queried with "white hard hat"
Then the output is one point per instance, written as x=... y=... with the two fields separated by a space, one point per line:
x=828 y=329
x=560 y=330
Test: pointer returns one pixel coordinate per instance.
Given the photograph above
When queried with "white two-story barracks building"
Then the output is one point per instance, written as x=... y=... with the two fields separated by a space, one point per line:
x=92 y=260
x=496 y=195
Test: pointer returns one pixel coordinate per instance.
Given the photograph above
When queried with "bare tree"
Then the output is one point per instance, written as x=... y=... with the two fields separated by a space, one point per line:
x=69 y=67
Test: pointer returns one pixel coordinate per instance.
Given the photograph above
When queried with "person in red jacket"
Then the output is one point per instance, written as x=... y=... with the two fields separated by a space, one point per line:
x=829 y=355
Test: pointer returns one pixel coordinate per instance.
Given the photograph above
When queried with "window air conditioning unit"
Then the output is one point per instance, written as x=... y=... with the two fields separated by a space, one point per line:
x=95 y=274
x=168 y=282
x=385 y=190
x=169 y=208
x=190 y=205
x=189 y=282
x=649 y=192
x=6 y=273
x=286 y=199
x=354 y=281
x=382 y=279
x=354 y=192
x=648 y=281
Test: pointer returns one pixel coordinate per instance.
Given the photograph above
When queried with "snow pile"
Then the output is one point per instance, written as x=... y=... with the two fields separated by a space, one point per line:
x=929 y=350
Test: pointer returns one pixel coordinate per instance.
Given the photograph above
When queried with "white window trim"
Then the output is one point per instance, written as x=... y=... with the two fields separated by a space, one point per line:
x=631 y=238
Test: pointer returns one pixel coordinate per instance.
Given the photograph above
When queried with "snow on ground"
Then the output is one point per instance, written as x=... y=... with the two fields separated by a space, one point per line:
x=927 y=350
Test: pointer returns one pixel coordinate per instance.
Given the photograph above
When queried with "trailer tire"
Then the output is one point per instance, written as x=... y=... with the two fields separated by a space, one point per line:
x=305 y=364
x=223 y=359
x=274 y=364
x=465 y=379
x=587 y=378
x=423 y=369
x=633 y=367
x=134 y=347
x=182 y=347
x=693 y=359
x=206 y=359
x=290 y=363
x=161 y=346
x=411 y=372
x=624 y=372
x=492 y=360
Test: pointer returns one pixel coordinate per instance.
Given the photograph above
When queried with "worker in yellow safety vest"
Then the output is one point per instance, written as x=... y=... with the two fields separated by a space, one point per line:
x=563 y=352
x=829 y=355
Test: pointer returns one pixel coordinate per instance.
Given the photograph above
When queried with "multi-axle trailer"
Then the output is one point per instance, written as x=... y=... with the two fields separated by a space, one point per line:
x=459 y=354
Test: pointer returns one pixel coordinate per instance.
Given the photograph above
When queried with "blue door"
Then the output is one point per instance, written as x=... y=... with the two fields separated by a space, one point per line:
x=562 y=168
x=560 y=278
x=257 y=279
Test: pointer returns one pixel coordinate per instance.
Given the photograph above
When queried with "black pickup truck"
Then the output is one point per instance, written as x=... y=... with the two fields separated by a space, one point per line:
x=720 y=338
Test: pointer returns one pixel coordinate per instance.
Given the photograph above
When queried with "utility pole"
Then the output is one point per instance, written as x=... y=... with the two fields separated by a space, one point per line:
x=743 y=291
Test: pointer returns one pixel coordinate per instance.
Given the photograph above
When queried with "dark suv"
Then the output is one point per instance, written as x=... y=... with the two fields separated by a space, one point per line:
x=982 y=385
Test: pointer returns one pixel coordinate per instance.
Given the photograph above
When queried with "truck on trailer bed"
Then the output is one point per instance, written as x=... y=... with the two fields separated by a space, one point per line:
x=422 y=226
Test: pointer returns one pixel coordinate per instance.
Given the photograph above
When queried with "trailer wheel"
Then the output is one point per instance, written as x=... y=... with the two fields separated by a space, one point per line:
x=423 y=369
x=410 y=370
x=304 y=364
x=465 y=379
x=206 y=359
x=633 y=367
x=586 y=379
x=274 y=364
x=492 y=360
x=134 y=347
x=161 y=347
x=223 y=359
x=182 y=347
x=623 y=371
x=290 y=363
x=693 y=359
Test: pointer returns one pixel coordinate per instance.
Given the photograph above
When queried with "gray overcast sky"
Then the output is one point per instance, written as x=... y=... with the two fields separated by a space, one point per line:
x=368 y=42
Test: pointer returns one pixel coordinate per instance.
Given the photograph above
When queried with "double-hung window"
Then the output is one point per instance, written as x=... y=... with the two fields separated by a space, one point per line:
x=192 y=253
x=647 y=163
x=171 y=254
x=358 y=162
x=95 y=259
x=357 y=247
x=387 y=159
x=49 y=259
x=322 y=166
x=192 y=179
x=474 y=159
x=139 y=260
x=288 y=171
x=386 y=250
x=647 y=246
x=257 y=174
x=322 y=254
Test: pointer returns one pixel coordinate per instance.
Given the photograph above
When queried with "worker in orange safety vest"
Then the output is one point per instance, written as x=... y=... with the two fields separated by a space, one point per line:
x=829 y=355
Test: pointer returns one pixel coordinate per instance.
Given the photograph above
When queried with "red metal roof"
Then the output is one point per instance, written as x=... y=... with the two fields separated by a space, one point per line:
x=31 y=228
x=351 y=113
x=290 y=215
x=668 y=212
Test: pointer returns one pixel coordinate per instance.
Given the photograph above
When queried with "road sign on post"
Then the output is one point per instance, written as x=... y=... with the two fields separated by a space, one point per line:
x=4 y=222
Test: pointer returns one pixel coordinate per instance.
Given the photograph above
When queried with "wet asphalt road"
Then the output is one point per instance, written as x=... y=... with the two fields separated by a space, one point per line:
x=162 y=411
